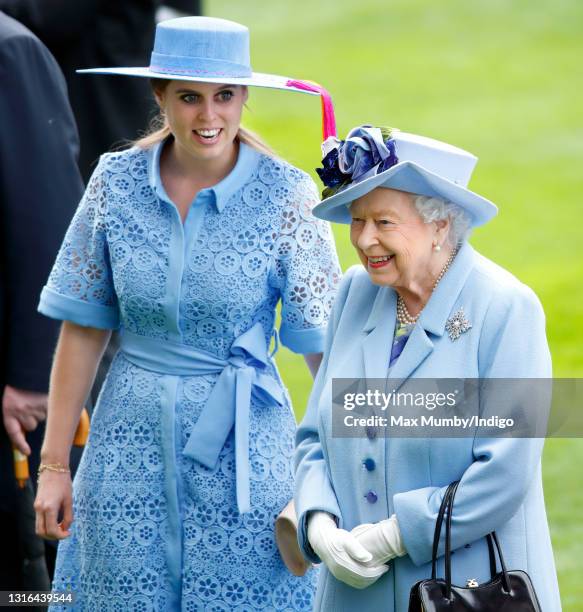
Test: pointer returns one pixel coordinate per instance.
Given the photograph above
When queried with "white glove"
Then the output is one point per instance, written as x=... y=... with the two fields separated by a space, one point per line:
x=342 y=554
x=382 y=540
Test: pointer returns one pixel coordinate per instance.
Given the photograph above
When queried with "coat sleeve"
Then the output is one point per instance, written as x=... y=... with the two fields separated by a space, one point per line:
x=513 y=345
x=40 y=186
x=313 y=488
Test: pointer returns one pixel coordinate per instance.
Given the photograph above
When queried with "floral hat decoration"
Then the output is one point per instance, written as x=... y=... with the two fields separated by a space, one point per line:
x=373 y=157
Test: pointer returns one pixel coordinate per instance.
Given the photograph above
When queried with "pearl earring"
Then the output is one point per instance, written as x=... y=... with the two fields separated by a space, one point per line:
x=436 y=247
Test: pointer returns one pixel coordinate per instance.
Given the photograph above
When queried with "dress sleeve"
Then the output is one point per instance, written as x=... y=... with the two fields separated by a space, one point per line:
x=307 y=271
x=80 y=286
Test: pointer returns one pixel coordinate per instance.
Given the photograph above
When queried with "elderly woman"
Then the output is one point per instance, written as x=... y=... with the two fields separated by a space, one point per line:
x=424 y=304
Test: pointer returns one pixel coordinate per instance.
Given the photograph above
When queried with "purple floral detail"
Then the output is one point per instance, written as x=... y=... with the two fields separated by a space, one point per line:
x=390 y=161
x=330 y=174
x=366 y=151
x=363 y=148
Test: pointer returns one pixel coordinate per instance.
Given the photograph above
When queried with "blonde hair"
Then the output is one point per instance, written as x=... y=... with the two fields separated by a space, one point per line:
x=160 y=130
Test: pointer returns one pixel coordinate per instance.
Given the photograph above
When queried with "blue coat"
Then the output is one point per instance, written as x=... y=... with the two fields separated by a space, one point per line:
x=501 y=486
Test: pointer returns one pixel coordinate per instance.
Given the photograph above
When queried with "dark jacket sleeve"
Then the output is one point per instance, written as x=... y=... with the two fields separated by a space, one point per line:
x=40 y=186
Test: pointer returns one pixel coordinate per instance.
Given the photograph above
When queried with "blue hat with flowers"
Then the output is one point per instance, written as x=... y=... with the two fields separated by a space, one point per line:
x=373 y=157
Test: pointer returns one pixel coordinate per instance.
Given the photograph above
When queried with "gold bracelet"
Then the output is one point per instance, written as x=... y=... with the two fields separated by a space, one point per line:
x=53 y=467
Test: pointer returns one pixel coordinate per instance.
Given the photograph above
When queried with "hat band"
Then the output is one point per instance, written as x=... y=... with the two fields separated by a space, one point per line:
x=198 y=66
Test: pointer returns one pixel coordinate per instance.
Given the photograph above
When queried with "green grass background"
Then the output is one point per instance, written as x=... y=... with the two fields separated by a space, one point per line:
x=501 y=78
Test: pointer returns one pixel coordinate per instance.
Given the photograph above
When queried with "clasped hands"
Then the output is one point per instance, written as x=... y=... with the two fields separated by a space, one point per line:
x=358 y=557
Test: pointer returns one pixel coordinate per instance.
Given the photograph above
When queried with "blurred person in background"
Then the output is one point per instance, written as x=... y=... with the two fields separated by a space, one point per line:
x=39 y=188
x=179 y=8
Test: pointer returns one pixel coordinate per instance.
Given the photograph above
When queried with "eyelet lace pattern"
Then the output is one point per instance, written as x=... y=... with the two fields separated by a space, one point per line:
x=116 y=265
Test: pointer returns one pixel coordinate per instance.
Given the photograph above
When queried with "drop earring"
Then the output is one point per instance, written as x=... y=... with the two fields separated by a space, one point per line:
x=436 y=247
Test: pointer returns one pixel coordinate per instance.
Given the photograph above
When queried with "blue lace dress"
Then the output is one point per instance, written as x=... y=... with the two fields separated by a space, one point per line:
x=189 y=458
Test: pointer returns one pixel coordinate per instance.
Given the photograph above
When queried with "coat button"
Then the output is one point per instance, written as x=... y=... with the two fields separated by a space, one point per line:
x=369 y=464
x=371 y=432
x=371 y=497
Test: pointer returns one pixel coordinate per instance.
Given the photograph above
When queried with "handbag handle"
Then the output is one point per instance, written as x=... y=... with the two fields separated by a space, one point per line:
x=437 y=532
x=447 y=508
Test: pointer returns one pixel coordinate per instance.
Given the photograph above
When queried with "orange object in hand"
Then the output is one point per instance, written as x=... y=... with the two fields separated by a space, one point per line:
x=82 y=432
x=21 y=471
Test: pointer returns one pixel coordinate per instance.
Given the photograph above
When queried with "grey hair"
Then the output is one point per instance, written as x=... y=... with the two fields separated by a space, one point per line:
x=437 y=209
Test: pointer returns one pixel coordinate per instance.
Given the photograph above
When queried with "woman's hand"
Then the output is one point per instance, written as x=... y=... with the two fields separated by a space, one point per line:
x=77 y=357
x=346 y=559
x=54 y=497
x=382 y=540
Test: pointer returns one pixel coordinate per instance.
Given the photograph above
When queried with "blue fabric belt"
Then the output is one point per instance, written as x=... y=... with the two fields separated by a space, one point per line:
x=242 y=375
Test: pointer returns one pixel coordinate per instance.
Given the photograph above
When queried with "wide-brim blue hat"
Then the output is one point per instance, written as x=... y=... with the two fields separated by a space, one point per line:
x=206 y=50
x=371 y=158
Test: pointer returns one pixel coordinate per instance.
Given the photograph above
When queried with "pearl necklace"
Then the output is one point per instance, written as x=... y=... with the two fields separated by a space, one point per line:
x=403 y=315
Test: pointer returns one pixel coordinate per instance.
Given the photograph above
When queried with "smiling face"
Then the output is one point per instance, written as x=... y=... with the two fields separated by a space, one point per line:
x=393 y=242
x=204 y=118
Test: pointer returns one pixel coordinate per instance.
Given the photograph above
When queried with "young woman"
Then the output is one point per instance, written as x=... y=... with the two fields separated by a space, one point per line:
x=186 y=242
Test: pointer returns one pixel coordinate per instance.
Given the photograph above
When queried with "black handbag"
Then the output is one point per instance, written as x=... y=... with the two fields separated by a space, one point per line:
x=506 y=591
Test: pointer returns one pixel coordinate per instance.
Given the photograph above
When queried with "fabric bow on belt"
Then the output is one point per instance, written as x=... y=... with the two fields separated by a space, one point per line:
x=241 y=377
x=228 y=405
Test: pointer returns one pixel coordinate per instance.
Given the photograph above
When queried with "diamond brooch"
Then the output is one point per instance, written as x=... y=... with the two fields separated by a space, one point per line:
x=457 y=324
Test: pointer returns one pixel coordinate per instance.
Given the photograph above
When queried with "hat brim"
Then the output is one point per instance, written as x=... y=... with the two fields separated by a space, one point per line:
x=257 y=79
x=412 y=178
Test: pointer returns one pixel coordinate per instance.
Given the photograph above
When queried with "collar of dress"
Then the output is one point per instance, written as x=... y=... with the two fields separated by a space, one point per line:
x=221 y=192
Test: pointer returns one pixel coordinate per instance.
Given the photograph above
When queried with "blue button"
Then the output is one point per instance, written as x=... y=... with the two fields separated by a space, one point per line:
x=369 y=464
x=371 y=497
x=371 y=432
